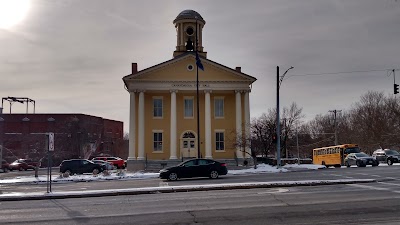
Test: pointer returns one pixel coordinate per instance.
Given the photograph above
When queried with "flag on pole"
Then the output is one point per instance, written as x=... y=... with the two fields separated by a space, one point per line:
x=198 y=62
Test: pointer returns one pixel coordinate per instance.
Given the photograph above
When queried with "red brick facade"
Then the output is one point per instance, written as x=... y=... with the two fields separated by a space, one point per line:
x=76 y=136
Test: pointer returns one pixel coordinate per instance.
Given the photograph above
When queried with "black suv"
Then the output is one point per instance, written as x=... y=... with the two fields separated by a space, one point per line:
x=80 y=166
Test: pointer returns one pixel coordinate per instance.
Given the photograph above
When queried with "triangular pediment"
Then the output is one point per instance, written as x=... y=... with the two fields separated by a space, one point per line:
x=183 y=68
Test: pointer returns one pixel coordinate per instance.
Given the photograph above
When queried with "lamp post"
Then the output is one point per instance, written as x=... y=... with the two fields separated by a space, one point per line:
x=279 y=80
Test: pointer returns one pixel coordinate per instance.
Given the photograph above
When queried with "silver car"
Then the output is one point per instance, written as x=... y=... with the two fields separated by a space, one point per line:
x=360 y=159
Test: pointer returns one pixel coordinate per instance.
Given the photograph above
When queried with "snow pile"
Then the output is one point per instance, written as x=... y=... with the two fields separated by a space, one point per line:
x=261 y=168
x=304 y=166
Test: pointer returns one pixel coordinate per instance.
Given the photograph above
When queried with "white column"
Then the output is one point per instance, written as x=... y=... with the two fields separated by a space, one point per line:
x=239 y=153
x=173 y=130
x=247 y=122
x=141 y=126
x=207 y=114
x=132 y=126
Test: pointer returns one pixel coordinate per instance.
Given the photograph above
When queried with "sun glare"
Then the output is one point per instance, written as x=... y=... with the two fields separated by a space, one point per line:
x=13 y=12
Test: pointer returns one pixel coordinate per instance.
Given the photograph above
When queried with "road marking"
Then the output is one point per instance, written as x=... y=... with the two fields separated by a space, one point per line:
x=389 y=183
x=392 y=178
x=336 y=175
x=368 y=187
x=375 y=175
x=279 y=190
x=365 y=174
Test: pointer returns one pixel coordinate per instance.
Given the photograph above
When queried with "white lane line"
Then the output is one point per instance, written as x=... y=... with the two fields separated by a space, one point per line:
x=389 y=183
x=375 y=175
x=392 y=178
x=365 y=174
x=336 y=175
x=369 y=187
x=279 y=190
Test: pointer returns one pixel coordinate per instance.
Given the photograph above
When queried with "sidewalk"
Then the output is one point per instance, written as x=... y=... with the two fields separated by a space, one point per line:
x=170 y=189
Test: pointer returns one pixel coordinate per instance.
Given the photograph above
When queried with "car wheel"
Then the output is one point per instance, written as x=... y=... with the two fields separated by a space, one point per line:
x=389 y=162
x=214 y=174
x=358 y=164
x=5 y=169
x=173 y=176
x=96 y=171
x=69 y=172
x=347 y=164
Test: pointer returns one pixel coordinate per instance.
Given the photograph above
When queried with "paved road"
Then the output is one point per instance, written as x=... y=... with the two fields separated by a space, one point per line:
x=372 y=203
x=378 y=173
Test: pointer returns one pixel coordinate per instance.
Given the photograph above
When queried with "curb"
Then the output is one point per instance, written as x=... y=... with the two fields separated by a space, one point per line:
x=173 y=189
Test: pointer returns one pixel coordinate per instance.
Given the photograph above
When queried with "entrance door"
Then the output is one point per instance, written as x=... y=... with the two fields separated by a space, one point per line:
x=188 y=145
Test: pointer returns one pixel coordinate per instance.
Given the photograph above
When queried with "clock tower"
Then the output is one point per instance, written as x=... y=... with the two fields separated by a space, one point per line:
x=189 y=29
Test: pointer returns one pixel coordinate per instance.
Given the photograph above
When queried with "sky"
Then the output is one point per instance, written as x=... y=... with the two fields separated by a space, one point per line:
x=70 y=55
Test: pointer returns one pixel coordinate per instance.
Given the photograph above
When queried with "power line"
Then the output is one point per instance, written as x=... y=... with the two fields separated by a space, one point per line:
x=344 y=72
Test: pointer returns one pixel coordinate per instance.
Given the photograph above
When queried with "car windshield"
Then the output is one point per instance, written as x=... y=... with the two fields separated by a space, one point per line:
x=361 y=155
x=391 y=152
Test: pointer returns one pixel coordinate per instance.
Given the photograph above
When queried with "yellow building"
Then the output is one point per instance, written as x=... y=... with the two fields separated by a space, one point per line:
x=163 y=104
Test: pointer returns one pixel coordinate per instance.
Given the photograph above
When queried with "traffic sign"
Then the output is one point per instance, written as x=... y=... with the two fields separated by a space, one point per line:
x=51 y=141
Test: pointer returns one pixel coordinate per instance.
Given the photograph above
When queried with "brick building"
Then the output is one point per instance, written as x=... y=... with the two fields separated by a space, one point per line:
x=76 y=136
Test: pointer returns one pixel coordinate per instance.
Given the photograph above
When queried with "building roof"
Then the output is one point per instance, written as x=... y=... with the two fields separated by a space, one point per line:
x=189 y=53
x=189 y=14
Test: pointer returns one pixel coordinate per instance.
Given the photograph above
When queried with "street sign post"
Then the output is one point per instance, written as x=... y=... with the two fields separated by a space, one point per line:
x=50 y=149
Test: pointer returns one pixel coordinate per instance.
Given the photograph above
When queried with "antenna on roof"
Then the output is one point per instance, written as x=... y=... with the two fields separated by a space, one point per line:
x=22 y=100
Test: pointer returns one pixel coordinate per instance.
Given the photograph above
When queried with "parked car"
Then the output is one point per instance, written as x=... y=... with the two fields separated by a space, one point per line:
x=107 y=165
x=379 y=155
x=194 y=168
x=117 y=162
x=392 y=156
x=5 y=166
x=360 y=159
x=80 y=166
x=23 y=164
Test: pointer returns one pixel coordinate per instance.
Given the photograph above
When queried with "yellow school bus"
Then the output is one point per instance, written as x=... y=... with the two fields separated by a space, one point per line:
x=333 y=155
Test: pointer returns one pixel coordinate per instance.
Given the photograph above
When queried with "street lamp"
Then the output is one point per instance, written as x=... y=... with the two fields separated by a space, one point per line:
x=279 y=80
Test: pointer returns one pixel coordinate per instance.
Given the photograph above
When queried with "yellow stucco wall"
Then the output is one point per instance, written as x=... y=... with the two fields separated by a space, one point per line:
x=226 y=124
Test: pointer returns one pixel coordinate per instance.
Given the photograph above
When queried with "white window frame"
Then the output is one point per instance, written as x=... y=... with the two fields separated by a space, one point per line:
x=162 y=141
x=184 y=107
x=224 y=141
x=162 y=107
x=223 y=107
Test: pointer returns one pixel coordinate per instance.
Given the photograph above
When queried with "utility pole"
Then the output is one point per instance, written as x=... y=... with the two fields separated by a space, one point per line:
x=335 y=124
x=297 y=145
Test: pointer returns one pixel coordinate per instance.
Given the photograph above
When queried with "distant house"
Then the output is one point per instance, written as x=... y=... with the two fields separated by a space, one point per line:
x=76 y=136
x=163 y=104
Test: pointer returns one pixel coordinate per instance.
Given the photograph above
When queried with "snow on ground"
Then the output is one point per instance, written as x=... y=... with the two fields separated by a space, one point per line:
x=261 y=168
x=304 y=166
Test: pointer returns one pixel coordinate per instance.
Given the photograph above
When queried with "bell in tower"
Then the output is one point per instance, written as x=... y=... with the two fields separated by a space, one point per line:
x=189 y=29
